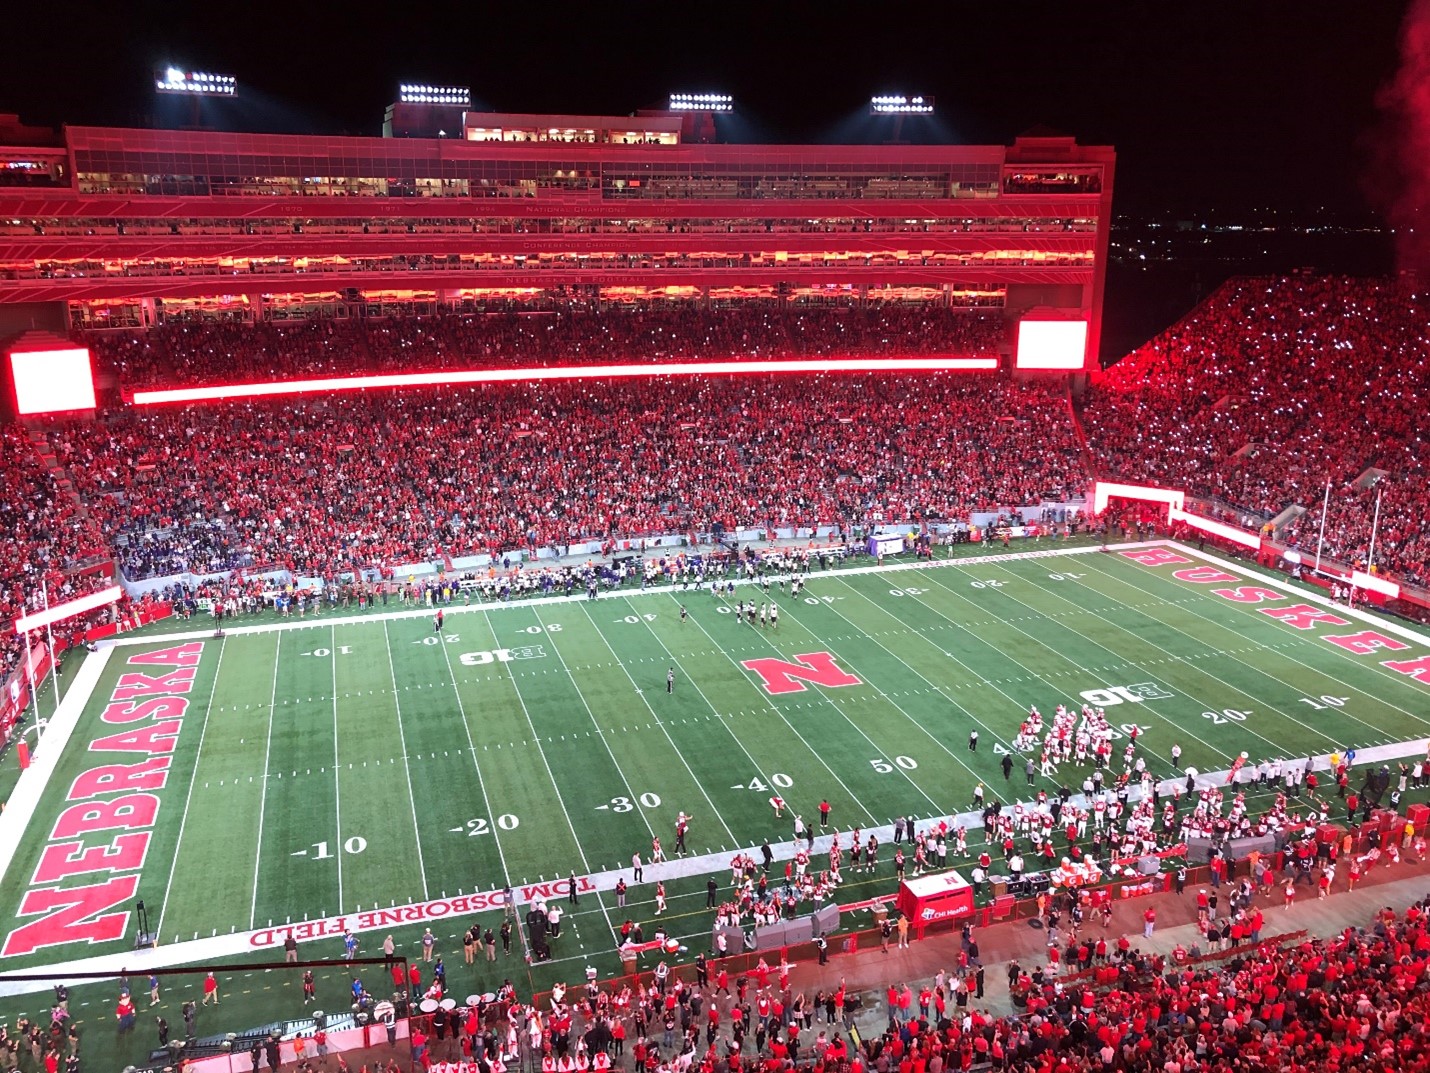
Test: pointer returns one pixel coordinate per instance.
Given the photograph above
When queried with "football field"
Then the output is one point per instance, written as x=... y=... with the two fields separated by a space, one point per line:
x=347 y=771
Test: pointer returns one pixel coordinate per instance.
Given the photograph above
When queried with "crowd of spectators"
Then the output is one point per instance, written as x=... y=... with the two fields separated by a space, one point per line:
x=1273 y=387
x=43 y=536
x=384 y=479
x=1354 y=1000
x=182 y=353
x=225 y=352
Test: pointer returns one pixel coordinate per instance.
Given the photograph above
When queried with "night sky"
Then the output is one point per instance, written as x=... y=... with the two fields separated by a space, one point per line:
x=1228 y=106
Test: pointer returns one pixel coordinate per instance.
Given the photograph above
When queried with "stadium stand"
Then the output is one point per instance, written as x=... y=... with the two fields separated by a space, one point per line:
x=206 y=353
x=1271 y=388
x=43 y=534
x=387 y=479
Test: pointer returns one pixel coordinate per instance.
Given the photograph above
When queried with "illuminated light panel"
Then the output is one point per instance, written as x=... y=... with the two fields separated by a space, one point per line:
x=52 y=381
x=197 y=83
x=567 y=372
x=898 y=104
x=417 y=93
x=60 y=612
x=1104 y=490
x=702 y=102
x=1051 y=344
x=1371 y=583
x=1206 y=525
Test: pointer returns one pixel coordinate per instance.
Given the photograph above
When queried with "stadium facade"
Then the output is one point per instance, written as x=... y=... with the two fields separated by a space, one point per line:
x=110 y=227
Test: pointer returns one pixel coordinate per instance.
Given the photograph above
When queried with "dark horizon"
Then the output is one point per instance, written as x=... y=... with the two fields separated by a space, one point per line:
x=1222 y=107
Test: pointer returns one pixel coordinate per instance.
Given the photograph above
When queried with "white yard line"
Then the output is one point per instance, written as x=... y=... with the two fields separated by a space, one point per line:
x=1013 y=659
x=406 y=764
x=263 y=797
x=775 y=711
x=600 y=732
x=29 y=788
x=193 y=780
x=107 y=966
x=828 y=700
x=536 y=740
x=755 y=765
x=1296 y=594
x=486 y=800
x=1293 y=716
x=997 y=737
x=613 y=594
x=337 y=767
x=699 y=785
x=1118 y=659
x=1181 y=659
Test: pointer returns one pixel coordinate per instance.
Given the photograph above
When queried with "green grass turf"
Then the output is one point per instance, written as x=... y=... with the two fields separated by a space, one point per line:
x=328 y=768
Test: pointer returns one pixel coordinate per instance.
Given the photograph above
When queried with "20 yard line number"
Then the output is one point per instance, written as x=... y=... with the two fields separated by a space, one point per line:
x=479 y=825
x=1226 y=715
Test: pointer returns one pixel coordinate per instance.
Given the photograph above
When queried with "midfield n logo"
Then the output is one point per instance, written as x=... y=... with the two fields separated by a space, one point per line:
x=779 y=676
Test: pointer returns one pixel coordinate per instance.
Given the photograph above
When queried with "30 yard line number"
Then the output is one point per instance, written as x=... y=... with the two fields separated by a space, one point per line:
x=624 y=804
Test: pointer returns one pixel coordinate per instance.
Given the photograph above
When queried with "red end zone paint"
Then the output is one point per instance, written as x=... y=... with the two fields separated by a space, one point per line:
x=1303 y=616
x=1154 y=556
x=1366 y=642
x=780 y=676
x=99 y=834
x=1300 y=615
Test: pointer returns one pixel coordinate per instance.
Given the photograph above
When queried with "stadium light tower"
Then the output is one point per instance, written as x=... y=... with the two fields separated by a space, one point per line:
x=423 y=110
x=898 y=105
x=194 y=83
x=445 y=96
x=702 y=102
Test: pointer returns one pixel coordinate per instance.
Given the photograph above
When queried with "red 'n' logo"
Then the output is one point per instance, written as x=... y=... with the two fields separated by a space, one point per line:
x=780 y=676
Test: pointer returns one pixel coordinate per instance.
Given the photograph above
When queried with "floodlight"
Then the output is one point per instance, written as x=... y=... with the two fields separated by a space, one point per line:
x=702 y=102
x=421 y=93
x=898 y=104
x=200 y=83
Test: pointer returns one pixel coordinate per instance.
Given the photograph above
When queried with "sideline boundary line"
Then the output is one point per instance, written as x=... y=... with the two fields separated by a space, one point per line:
x=320 y=622
x=33 y=781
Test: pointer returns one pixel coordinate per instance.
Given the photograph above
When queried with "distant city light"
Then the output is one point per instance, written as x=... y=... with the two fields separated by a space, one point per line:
x=419 y=93
x=898 y=104
x=702 y=102
x=200 y=83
